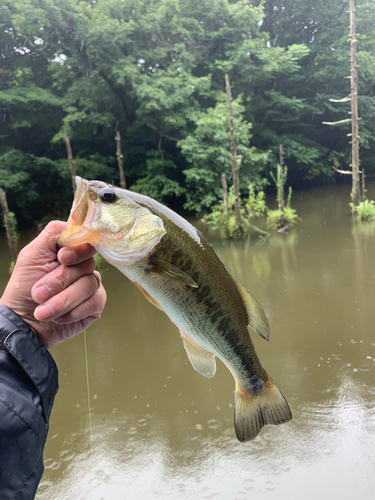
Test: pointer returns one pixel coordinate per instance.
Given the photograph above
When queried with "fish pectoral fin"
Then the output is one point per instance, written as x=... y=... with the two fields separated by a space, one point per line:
x=149 y=297
x=254 y=410
x=257 y=319
x=203 y=362
x=171 y=272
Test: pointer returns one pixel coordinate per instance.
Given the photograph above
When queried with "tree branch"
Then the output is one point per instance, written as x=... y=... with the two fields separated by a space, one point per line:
x=161 y=133
x=337 y=123
x=344 y=99
x=348 y=172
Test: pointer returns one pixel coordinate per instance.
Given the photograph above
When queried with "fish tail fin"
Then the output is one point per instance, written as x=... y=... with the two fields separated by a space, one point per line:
x=253 y=410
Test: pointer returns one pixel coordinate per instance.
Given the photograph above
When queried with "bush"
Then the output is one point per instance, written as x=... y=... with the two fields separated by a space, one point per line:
x=365 y=210
x=225 y=220
x=276 y=219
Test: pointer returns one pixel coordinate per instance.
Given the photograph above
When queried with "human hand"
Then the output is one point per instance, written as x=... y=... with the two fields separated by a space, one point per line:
x=54 y=291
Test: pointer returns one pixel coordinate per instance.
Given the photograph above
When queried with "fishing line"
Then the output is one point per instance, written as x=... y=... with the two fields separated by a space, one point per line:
x=88 y=396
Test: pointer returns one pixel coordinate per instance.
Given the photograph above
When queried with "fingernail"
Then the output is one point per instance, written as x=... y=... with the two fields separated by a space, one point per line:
x=67 y=255
x=41 y=294
x=42 y=313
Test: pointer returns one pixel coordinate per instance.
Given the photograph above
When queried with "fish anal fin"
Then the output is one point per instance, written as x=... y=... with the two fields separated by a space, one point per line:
x=257 y=319
x=168 y=270
x=254 y=410
x=149 y=297
x=203 y=362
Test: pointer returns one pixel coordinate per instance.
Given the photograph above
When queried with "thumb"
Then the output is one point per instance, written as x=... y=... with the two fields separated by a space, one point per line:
x=43 y=247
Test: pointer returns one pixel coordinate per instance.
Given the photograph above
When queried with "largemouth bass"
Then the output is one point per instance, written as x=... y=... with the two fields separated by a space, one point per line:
x=172 y=264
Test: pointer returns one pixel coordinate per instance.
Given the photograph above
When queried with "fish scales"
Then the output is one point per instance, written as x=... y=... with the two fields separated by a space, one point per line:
x=173 y=265
x=221 y=311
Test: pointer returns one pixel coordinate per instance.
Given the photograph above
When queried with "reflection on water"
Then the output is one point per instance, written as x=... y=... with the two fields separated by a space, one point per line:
x=160 y=430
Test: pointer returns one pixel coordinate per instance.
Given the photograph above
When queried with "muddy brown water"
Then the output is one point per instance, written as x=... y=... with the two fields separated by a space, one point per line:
x=162 y=431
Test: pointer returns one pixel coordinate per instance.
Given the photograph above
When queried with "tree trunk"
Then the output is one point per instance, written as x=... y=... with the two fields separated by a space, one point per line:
x=281 y=180
x=356 y=194
x=119 y=160
x=71 y=162
x=7 y=224
x=363 y=185
x=237 y=202
x=225 y=192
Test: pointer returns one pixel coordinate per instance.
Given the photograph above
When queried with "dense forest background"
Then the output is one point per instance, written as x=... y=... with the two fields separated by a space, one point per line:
x=154 y=71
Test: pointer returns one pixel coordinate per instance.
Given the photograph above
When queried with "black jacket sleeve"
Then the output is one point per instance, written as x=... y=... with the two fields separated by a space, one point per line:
x=28 y=385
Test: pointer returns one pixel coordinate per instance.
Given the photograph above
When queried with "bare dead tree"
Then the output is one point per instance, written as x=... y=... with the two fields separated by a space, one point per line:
x=237 y=201
x=8 y=226
x=72 y=167
x=225 y=191
x=119 y=160
x=281 y=180
x=353 y=97
x=364 y=190
x=356 y=189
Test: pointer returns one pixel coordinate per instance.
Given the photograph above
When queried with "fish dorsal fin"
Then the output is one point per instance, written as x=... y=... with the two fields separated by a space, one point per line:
x=257 y=319
x=203 y=362
x=149 y=297
x=171 y=272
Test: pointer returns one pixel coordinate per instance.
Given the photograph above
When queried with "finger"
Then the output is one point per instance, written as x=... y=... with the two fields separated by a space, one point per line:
x=67 y=299
x=59 y=279
x=69 y=256
x=91 y=308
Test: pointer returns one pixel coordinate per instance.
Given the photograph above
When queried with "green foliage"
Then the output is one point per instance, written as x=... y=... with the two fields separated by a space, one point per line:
x=284 y=215
x=365 y=210
x=154 y=71
x=16 y=178
x=225 y=222
x=99 y=262
x=207 y=149
x=323 y=27
x=255 y=204
x=277 y=219
x=158 y=181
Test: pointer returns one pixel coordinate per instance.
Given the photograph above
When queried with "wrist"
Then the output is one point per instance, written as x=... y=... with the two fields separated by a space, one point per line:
x=30 y=322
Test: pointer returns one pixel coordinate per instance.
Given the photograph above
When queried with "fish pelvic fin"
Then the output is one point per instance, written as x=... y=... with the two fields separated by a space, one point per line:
x=257 y=319
x=149 y=297
x=254 y=410
x=203 y=362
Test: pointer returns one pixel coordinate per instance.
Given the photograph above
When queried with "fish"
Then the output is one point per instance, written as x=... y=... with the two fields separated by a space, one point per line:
x=176 y=269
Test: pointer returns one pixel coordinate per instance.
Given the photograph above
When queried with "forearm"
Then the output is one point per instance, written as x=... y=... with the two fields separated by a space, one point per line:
x=28 y=384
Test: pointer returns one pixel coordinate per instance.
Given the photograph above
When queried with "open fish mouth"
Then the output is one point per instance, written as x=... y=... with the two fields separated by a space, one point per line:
x=76 y=232
x=80 y=203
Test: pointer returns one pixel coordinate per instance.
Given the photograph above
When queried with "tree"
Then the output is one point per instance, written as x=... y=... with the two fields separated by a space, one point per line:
x=208 y=151
x=323 y=28
x=153 y=70
x=356 y=190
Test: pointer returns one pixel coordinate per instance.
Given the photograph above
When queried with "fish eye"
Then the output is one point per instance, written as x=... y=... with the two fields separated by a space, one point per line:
x=108 y=195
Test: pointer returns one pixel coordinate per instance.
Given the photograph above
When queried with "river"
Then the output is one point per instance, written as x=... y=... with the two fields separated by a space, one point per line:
x=162 y=431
